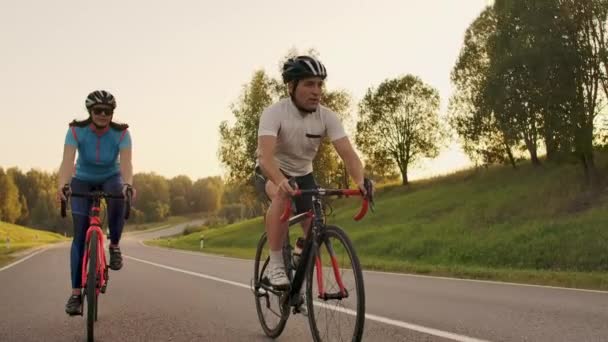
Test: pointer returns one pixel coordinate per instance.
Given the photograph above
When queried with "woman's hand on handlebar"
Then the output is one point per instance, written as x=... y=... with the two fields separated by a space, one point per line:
x=63 y=192
x=128 y=190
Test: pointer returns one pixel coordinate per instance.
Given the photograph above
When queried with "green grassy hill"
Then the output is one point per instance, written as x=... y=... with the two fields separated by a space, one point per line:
x=22 y=238
x=533 y=224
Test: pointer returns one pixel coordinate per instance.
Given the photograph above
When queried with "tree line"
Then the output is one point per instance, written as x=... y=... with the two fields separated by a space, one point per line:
x=29 y=198
x=531 y=79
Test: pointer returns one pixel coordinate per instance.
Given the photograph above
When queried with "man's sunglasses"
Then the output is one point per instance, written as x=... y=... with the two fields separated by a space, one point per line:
x=105 y=111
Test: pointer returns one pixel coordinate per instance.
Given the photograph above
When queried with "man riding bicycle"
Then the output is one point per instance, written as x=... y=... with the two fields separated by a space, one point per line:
x=100 y=143
x=289 y=135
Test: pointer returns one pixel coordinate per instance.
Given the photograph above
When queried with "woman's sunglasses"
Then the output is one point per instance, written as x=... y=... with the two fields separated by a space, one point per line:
x=104 y=111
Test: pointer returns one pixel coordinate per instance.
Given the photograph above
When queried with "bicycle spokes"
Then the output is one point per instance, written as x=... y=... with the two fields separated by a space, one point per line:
x=319 y=271
x=336 y=268
x=337 y=275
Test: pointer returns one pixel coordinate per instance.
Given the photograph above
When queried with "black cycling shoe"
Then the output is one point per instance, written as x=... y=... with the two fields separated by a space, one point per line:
x=74 y=305
x=115 y=258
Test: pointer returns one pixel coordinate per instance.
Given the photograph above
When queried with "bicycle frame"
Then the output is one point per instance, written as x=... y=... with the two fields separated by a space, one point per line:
x=101 y=265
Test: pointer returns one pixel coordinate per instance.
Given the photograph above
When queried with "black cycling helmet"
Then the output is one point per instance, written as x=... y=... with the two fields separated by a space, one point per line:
x=302 y=67
x=100 y=97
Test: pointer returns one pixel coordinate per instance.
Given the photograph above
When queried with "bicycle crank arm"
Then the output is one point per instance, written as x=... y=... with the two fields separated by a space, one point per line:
x=265 y=285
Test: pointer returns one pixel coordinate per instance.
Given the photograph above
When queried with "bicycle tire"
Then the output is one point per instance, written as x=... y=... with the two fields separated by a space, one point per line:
x=357 y=274
x=262 y=300
x=91 y=287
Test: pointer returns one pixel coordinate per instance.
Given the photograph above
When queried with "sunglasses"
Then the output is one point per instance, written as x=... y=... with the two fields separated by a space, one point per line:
x=105 y=111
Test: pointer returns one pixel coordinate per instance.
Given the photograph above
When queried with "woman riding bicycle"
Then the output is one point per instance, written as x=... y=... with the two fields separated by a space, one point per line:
x=104 y=163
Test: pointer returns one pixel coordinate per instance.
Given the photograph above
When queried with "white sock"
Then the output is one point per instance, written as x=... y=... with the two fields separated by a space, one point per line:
x=276 y=258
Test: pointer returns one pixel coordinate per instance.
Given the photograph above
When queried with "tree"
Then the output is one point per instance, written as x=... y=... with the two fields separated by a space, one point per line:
x=380 y=168
x=510 y=92
x=179 y=205
x=153 y=197
x=10 y=205
x=584 y=23
x=21 y=182
x=37 y=181
x=45 y=214
x=180 y=188
x=232 y=212
x=548 y=55
x=207 y=194
x=548 y=68
x=238 y=143
x=481 y=138
x=400 y=117
x=329 y=170
x=216 y=184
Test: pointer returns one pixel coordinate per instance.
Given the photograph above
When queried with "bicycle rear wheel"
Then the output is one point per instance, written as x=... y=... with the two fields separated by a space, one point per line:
x=270 y=305
x=335 y=315
x=91 y=287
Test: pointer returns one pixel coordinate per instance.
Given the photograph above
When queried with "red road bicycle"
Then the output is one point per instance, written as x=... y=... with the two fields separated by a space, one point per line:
x=94 y=264
x=335 y=294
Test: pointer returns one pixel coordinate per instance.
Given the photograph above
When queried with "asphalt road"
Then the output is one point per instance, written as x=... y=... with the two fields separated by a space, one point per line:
x=165 y=295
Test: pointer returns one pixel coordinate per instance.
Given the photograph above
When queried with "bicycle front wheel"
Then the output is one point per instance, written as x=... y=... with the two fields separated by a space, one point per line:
x=335 y=292
x=91 y=291
x=270 y=304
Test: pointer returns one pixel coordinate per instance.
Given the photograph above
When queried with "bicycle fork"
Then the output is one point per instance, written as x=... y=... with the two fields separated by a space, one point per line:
x=336 y=268
x=102 y=267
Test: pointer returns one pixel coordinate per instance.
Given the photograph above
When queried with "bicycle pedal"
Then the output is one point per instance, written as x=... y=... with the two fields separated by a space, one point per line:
x=280 y=288
x=79 y=313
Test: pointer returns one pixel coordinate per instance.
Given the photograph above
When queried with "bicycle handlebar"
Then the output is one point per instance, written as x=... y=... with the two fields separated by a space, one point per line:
x=330 y=192
x=98 y=194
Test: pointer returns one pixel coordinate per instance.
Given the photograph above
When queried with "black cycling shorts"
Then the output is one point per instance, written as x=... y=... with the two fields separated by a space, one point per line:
x=306 y=182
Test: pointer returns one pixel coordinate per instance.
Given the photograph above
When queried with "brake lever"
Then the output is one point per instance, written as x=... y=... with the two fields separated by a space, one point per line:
x=66 y=190
x=369 y=196
x=292 y=183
